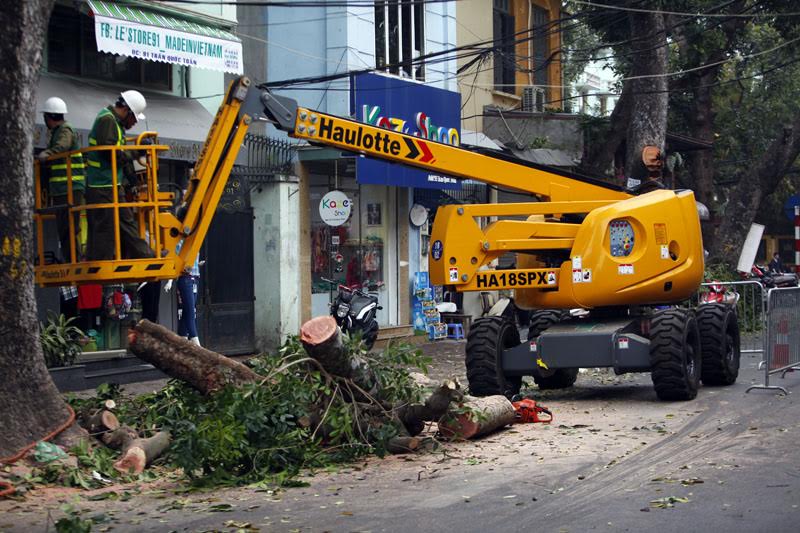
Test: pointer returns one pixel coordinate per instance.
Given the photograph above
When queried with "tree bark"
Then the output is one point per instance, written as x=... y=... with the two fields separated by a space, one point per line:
x=120 y=437
x=139 y=453
x=648 y=119
x=31 y=404
x=482 y=416
x=598 y=153
x=203 y=369
x=101 y=422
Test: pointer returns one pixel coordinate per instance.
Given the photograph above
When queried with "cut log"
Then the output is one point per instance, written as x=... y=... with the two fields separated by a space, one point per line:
x=203 y=369
x=403 y=444
x=476 y=417
x=141 y=452
x=322 y=340
x=120 y=437
x=101 y=422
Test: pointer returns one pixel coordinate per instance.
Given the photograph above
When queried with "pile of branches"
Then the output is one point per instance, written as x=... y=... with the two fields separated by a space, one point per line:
x=321 y=399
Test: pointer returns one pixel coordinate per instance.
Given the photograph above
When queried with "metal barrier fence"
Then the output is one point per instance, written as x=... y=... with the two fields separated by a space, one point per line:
x=751 y=310
x=782 y=352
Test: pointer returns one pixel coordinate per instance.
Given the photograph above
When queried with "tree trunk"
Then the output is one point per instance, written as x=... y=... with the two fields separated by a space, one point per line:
x=141 y=452
x=203 y=369
x=477 y=417
x=31 y=404
x=598 y=153
x=648 y=120
x=746 y=197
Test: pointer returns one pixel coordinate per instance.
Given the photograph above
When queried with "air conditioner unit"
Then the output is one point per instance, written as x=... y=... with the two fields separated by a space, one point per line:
x=533 y=99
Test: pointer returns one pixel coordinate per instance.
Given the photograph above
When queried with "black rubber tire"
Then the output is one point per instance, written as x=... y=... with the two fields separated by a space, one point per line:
x=675 y=355
x=560 y=378
x=369 y=333
x=487 y=339
x=719 y=344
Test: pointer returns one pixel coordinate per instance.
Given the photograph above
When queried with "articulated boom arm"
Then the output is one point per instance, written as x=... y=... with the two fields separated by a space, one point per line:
x=589 y=244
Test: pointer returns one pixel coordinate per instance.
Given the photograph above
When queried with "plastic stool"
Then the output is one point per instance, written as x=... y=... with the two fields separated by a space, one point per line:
x=455 y=331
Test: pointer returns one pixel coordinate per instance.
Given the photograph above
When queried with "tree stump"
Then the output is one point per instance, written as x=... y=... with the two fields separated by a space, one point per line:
x=101 y=422
x=203 y=369
x=322 y=340
x=476 y=417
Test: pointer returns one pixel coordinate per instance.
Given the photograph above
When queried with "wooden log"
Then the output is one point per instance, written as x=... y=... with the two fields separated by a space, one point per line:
x=399 y=445
x=203 y=369
x=120 y=437
x=101 y=422
x=141 y=452
x=476 y=417
x=322 y=340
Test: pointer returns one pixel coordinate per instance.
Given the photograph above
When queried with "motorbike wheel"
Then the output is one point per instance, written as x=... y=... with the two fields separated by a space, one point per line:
x=368 y=331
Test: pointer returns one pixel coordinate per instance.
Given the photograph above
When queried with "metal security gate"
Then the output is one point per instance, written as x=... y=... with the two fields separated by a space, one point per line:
x=783 y=335
x=225 y=310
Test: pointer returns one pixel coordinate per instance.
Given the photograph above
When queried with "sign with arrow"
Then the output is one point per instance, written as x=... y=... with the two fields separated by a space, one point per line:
x=430 y=114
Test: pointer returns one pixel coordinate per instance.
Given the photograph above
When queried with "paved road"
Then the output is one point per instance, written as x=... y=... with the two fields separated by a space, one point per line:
x=613 y=450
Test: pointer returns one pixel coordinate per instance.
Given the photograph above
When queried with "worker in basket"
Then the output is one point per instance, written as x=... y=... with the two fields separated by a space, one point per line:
x=63 y=139
x=108 y=130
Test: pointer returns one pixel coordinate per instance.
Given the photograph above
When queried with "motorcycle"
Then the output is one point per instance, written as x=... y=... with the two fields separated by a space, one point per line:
x=719 y=293
x=354 y=311
x=772 y=280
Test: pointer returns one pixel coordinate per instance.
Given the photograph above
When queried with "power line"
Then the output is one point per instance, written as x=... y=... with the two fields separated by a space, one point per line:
x=695 y=14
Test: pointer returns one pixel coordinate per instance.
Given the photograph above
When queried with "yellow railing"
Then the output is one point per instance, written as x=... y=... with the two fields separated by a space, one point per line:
x=146 y=203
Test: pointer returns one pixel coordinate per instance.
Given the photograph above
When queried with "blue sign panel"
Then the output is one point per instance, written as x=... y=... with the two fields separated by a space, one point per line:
x=410 y=107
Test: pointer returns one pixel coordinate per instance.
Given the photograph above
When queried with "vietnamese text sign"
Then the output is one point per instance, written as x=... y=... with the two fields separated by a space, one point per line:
x=153 y=43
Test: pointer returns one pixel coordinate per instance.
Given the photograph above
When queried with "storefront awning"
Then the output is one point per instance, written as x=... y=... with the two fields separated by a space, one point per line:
x=181 y=123
x=135 y=32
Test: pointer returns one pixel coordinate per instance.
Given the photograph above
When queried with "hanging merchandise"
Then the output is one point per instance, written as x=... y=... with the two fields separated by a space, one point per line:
x=372 y=260
x=118 y=305
x=319 y=246
x=90 y=296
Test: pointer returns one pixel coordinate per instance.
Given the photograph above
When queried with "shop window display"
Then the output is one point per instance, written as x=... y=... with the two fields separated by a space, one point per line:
x=352 y=254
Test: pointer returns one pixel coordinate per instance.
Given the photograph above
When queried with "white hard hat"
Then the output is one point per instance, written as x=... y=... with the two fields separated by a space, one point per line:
x=54 y=105
x=135 y=101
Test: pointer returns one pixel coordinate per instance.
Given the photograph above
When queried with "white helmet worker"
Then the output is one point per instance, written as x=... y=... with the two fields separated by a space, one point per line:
x=135 y=102
x=55 y=106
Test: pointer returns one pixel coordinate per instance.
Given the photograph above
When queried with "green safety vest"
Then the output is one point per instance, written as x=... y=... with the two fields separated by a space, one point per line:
x=99 y=163
x=57 y=184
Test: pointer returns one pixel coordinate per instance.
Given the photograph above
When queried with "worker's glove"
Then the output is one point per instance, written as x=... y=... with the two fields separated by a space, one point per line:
x=168 y=286
x=43 y=156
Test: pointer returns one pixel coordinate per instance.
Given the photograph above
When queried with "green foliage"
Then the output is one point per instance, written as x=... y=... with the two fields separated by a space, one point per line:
x=72 y=522
x=297 y=417
x=60 y=341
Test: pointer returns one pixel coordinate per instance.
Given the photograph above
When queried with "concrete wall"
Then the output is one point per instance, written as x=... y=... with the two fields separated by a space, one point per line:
x=519 y=130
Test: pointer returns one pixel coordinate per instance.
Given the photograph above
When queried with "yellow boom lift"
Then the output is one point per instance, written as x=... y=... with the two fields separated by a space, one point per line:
x=626 y=260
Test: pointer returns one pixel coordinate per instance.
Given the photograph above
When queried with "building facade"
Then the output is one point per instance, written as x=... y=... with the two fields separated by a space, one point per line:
x=377 y=247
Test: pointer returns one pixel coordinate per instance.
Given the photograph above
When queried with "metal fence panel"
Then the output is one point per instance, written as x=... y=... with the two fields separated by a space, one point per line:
x=783 y=334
